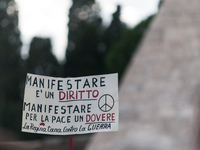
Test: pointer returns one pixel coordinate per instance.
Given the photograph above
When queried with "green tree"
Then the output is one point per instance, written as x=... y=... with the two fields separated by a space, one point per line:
x=41 y=60
x=11 y=64
x=120 y=53
x=83 y=56
x=115 y=30
x=82 y=11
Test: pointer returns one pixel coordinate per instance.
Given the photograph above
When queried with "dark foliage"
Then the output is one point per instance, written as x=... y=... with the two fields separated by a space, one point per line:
x=41 y=60
x=122 y=50
x=10 y=64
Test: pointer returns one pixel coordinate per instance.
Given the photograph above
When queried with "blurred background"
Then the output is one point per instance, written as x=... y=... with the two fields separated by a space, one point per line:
x=64 y=38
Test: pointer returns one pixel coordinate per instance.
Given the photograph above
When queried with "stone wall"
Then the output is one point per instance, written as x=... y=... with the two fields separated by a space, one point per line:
x=160 y=92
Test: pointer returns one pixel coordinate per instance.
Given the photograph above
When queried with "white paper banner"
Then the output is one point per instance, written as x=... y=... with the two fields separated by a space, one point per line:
x=66 y=106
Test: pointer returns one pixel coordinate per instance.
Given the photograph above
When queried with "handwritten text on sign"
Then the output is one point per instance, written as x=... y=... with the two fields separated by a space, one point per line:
x=65 y=106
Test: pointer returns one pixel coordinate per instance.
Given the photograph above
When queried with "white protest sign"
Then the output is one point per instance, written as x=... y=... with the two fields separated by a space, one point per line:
x=66 y=106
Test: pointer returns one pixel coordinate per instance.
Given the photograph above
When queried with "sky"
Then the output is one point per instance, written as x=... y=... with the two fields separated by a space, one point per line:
x=49 y=18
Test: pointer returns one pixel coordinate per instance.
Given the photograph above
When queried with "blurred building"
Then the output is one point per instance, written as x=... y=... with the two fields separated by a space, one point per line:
x=159 y=94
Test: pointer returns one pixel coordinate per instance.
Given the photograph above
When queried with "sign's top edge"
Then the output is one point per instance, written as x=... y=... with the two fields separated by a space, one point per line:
x=31 y=74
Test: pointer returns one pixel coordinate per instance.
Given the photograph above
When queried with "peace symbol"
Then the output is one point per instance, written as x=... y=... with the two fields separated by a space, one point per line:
x=106 y=103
